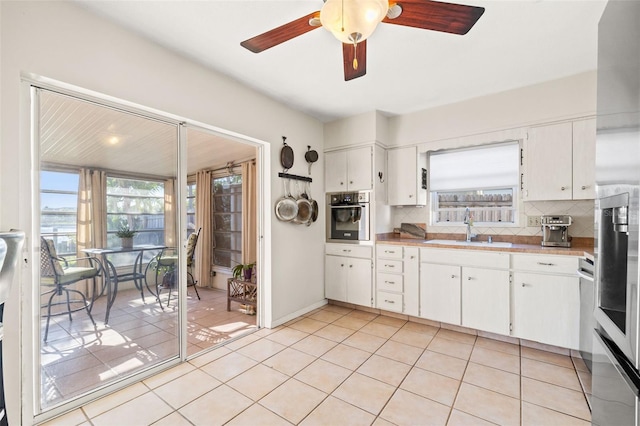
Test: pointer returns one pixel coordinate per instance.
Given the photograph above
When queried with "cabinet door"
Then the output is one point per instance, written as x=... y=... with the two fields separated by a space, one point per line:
x=549 y=159
x=440 y=292
x=402 y=180
x=335 y=166
x=359 y=169
x=359 y=281
x=584 y=154
x=547 y=309
x=335 y=278
x=485 y=299
x=411 y=280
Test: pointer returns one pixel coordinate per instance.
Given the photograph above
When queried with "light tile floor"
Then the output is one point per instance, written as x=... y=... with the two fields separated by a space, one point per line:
x=77 y=356
x=337 y=366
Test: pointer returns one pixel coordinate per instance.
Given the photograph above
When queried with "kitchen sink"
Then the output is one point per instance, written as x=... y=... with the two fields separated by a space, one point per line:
x=499 y=244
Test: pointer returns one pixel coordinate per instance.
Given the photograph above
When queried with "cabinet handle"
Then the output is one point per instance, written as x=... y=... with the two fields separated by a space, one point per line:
x=526 y=285
x=389 y=282
x=350 y=266
x=563 y=188
x=412 y=257
x=453 y=276
x=342 y=265
x=389 y=251
x=584 y=187
x=389 y=301
x=470 y=278
x=341 y=183
x=351 y=182
x=546 y=264
x=346 y=251
x=410 y=195
x=389 y=266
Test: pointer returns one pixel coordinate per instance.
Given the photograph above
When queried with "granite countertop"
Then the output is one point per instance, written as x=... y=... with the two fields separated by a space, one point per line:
x=520 y=244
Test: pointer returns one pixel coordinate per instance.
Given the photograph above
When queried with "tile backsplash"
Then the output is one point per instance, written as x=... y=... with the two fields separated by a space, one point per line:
x=581 y=212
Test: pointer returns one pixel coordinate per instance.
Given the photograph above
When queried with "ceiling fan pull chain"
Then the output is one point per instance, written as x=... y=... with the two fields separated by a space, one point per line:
x=355 y=55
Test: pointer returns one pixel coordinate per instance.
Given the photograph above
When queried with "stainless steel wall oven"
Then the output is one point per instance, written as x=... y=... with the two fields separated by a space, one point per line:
x=348 y=217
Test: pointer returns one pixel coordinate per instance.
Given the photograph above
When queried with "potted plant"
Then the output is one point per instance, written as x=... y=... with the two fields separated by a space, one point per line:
x=126 y=235
x=246 y=270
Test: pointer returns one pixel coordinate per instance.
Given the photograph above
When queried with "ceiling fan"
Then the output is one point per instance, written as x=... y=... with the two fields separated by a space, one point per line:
x=353 y=21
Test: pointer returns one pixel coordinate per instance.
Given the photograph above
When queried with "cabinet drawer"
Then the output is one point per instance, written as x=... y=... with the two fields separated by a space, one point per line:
x=389 y=252
x=390 y=301
x=541 y=263
x=479 y=258
x=391 y=266
x=350 y=250
x=390 y=282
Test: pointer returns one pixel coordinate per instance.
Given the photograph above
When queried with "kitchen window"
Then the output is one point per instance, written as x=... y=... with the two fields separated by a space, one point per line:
x=483 y=179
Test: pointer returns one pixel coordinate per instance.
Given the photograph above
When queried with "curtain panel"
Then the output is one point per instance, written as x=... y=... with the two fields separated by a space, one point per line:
x=249 y=212
x=91 y=231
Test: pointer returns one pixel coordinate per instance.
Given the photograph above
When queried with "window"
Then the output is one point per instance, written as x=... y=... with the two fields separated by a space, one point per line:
x=138 y=204
x=191 y=208
x=483 y=179
x=227 y=221
x=59 y=209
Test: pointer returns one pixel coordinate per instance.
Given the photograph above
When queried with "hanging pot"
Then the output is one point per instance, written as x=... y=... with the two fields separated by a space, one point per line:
x=304 y=208
x=311 y=156
x=314 y=204
x=286 y=207
x=286 y=155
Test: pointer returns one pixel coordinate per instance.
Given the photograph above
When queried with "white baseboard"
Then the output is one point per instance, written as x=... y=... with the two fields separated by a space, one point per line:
x=296 y=314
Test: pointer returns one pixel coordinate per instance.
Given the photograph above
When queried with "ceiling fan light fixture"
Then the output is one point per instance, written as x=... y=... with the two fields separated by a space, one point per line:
x=344 y=18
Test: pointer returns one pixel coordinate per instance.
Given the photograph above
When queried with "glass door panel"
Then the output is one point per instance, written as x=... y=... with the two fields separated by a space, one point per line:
x=103 y=172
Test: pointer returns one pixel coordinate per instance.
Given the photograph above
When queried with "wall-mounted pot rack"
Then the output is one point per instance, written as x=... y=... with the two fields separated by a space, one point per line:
x=294 y=177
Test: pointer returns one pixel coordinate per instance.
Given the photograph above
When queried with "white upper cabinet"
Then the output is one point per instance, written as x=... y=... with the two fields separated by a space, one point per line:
x=584 y=156
x=405 y=179
x=349 y=170
x=560 y=161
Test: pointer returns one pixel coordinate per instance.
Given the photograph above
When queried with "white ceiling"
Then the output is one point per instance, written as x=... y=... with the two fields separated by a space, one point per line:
x=515 y=43
x=77 y=133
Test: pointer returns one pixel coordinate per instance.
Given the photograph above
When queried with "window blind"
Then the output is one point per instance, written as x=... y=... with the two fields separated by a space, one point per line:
x=488 y=166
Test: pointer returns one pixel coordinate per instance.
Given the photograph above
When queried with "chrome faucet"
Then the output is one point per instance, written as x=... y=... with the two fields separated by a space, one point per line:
x=467 y=221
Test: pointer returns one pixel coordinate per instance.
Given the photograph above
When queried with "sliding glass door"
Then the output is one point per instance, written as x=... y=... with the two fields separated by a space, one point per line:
x=108 y=239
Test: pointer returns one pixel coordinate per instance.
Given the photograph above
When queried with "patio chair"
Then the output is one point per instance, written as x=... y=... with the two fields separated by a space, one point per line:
x=167 y=264
x=56 y=272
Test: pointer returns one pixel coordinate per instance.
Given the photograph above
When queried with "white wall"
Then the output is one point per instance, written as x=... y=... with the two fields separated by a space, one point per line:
x=63 y=42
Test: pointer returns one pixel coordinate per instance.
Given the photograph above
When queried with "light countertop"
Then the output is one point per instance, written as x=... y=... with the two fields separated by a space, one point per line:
x=579 y=246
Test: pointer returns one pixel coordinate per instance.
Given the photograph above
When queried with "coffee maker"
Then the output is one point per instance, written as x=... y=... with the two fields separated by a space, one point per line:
x=555 y=231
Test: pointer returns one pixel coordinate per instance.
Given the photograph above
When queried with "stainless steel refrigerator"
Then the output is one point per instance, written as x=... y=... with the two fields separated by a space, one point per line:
x=616 y=358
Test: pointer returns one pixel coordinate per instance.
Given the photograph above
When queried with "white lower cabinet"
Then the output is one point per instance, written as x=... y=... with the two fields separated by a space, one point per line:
x=348 y=279
x=546 y=299
x=485 y=300
x=466 y=287
x=547 y=309
x=440 y=292
x=397 y=279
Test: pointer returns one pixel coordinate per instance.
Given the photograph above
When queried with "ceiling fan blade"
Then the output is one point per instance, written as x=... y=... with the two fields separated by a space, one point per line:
x=437 y=16
x=354 y=59
x=281 y=34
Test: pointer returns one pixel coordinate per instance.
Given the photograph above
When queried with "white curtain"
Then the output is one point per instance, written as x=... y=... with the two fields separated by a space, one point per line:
x=489 y=166
x=202 y=268
x=92 y=212
x=249 y=212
